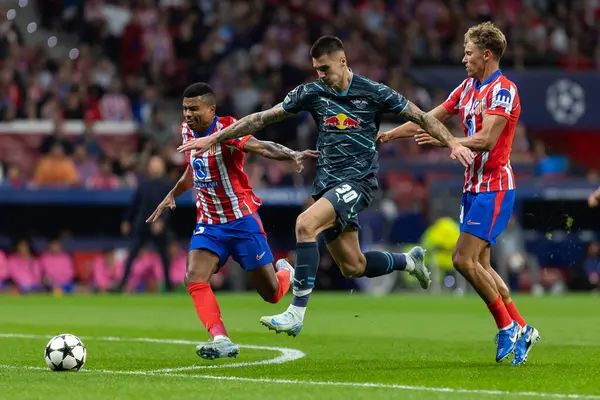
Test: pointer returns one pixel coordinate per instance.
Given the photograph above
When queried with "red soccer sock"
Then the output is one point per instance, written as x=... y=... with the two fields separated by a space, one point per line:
x=283 y=277
x=514 y=314
x=207 y=308
x=500 y=313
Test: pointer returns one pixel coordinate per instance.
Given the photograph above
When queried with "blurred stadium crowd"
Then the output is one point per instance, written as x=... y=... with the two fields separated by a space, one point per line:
x=135 y=57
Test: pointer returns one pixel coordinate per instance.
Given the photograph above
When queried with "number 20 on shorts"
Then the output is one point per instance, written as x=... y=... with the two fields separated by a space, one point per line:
x=347 y=193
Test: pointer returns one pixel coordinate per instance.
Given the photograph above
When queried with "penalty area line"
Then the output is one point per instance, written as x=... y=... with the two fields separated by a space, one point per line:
x=330 y=383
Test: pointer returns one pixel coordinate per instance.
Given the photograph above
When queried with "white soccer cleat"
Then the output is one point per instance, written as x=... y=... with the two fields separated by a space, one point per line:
x=288 y=322
x=219 y=347
x=284 y=264
x=417 y=254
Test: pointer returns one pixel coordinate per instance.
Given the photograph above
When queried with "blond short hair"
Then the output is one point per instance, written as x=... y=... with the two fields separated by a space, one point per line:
x=487 y=36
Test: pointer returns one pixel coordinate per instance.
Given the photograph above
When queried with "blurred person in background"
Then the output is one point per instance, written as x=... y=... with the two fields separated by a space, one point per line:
x=14 y=177
x=107 y=271
x=440 y=239
x=114 y=105
x=89 y=140
x=178 y=257
x=149 y=193
x=103 y=178
x=24 y=268
x=87 y=167
x=56 y=169
x=57 y=267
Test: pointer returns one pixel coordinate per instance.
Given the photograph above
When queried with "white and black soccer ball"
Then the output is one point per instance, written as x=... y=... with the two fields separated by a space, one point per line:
x=65 y=352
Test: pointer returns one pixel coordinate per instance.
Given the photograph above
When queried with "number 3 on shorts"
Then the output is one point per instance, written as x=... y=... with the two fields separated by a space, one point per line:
x=347 y=192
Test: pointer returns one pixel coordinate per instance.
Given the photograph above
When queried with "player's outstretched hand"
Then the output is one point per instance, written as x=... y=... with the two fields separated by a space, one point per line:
x=422 y=138
x=593 y=200
x=167 y=203
x=382 y=137
x=303 y=155
x=201 y=145
x=462 y=154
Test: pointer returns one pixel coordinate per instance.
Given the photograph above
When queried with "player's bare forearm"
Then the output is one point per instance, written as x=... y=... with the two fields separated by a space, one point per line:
x=485 y=140
x=276 y=151
x=429 y=124
x=184 y=184
x=410 y=129
x=476 y=142
x=252 y=123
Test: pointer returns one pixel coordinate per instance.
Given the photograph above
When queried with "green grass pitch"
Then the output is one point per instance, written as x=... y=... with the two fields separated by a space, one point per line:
x=352 y=347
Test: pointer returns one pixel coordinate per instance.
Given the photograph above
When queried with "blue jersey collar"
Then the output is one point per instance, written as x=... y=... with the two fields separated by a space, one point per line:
x=208 y=131
x=478 y=84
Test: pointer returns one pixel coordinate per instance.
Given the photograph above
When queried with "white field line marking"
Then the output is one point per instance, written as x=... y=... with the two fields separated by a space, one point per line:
x=286 y=355
x=329 y=383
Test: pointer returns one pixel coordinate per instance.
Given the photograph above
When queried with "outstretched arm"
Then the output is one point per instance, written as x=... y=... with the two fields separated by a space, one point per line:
x=252 y=123
x=266 y=149
x=279 y=152
x=245 y=126
x=185 y=183
x=429 y=123
x=410 y=129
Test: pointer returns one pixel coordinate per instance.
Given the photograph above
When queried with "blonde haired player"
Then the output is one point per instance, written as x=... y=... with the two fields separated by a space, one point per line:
x=489 y=107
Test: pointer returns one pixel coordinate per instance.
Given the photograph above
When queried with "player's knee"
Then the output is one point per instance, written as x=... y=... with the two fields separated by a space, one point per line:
x=196 y=274
x=305 y=227
x=461 y=261
x=193 y=277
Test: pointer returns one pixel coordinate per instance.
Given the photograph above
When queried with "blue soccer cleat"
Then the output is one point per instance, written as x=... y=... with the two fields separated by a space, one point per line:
x=219 y=347
x=507 y=341
x=288 y=322
x=524 y=344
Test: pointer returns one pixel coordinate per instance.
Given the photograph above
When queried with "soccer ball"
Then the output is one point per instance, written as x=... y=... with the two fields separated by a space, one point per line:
x=65 y=352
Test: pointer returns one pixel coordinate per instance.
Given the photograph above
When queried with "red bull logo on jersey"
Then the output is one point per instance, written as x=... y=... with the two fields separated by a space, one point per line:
x=342 y=122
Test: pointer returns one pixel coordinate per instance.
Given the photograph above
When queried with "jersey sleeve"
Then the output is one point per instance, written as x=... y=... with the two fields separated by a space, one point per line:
x=296 y=100
x=502 y=99
x=452 y=103
x=391 y=100
x=237 y=143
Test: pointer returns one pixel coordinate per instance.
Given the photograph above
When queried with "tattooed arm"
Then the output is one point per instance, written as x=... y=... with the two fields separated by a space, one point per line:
x=252 y=123
x=410 y=129
x=438 y=131
x=430 y=124
x=279 y=152
x=266 y=149
x=245 y=126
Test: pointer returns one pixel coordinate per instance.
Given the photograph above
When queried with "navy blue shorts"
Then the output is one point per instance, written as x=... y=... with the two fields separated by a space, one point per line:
x=244 y=240
x=486 y=215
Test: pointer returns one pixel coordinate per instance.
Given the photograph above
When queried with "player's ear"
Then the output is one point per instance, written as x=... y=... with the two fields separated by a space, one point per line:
x=487 y=54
